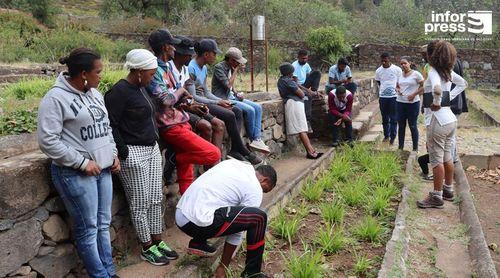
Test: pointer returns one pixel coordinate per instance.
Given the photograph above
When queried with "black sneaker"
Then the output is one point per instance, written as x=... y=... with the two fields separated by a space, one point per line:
x=202 y=249
x=253 y=158
x=385 y=139
x=432 y=201
x=167 y=251
x=154 y=256
x=448 y=194
x=391 y=142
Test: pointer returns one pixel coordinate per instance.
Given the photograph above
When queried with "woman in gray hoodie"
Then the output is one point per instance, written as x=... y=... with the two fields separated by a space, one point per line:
x=74 y=131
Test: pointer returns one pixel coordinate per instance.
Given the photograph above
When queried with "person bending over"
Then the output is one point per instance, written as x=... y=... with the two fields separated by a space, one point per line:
x=225 y=201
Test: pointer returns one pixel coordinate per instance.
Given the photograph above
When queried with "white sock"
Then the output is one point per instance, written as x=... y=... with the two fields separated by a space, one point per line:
x=448 y=187
x=438 y=194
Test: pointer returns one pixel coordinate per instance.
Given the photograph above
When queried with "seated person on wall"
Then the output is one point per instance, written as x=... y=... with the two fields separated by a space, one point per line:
x=209 y=127
x=295 y=114
x=339 y=111
x=223 y=79
x=340 y=74
x=308 y=81
x=173 y=122
x=206 y=52
x=225 y=201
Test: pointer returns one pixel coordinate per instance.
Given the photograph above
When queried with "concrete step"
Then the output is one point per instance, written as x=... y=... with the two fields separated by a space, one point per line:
x=364 y=120
x=370 y=137
x=293 y=170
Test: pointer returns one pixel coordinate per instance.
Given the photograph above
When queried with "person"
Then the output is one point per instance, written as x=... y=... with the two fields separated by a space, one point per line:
x=206 y=52
x=308 y=81
x=225 y=201
x=423 y=162
x=339 y=111
x=340 y=74
x=440 y=121
x=74 y=132
x=408 y=101
x=173 y=122
x=387 y=76
x=211 y=128
x=132 y=114
x=295 y=115
x=223 y=79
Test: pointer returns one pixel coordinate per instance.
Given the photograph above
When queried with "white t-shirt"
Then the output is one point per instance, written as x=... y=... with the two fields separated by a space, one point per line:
x=408 y=85
x=388 y=78
x=180 y=76
x=444 y=115
x=229 y=183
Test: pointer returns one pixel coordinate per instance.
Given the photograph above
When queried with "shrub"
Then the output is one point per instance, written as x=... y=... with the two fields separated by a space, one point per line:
x=328 y=43
x=17 y=122
x=109 y=78
x=306 y=265
x=28 y=88
x=330 y=240
x=369 y=229
x=276 y=56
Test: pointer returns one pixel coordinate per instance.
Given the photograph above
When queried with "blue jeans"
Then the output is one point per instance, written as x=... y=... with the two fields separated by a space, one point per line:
x=408 y=112
x=389 y=120
x=336 y=129
x=252 y=113
x=88 y=202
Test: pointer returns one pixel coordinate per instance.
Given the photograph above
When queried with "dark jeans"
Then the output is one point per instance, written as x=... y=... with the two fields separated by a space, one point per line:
x=232 y=119
x=389 y=120
x=407 y=112
x=336 y=129
x=312 y=82
x=423 y=161
x=231 y=220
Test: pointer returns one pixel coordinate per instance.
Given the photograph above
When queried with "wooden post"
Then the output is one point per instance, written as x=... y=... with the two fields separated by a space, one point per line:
x=251 y=59
x=267 y=57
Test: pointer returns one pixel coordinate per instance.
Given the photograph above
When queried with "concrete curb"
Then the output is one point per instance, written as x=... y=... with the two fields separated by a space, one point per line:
x=396 y=250
x=279 y=198
x=482 y=263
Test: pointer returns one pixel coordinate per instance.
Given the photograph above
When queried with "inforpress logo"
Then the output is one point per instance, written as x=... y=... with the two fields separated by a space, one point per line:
x=476 y=22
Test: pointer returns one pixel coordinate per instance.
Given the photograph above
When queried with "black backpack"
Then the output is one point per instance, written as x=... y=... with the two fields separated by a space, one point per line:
x=459 y=104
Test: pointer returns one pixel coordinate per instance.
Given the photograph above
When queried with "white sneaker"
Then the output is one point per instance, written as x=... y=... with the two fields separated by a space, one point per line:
x=259 y=145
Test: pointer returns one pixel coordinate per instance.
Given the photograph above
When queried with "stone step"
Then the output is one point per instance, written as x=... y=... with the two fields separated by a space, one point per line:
x=364 y=120
x=370 y=137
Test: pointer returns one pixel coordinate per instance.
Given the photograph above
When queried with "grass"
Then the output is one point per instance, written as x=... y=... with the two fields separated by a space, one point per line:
x=369 y=229
x=306 y=265
x=385 y=169
x=312 y=191
x=341 y=168
x=379 y=202
x=333 y=213
x=362 y=265
x=284 y=226
x=330 y=240
x=353 y=193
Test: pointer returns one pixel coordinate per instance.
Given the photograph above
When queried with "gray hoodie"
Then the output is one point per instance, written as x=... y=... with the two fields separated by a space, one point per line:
x=73 y=127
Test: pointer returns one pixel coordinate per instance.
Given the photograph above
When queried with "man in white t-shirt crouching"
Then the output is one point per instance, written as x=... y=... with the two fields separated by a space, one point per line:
x=225 y=201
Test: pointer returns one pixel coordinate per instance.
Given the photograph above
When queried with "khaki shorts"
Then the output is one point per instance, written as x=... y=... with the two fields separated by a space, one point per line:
x=440 y=141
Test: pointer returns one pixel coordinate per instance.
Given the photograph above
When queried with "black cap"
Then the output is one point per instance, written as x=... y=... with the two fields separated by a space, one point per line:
x=161 y=37
x=286 y=69
x=185 y=46
x=208 y=45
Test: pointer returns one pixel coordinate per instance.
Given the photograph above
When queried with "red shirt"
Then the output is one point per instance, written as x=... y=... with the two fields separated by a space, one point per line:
x=338 y=107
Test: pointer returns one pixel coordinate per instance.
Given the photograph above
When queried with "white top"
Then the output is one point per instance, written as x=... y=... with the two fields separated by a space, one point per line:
x=229 y=183
x=444 y=115
x=409 y=85
x=388 y=78
x=180 y=76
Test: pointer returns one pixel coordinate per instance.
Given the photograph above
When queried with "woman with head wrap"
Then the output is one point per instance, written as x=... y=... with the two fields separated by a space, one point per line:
x=132 y=116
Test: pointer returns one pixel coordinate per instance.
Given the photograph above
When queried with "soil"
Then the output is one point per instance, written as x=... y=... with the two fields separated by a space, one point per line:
x=486 y=194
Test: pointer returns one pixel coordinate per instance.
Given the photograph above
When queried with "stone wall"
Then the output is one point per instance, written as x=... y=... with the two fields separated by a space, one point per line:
x=35 y=233
x=482 y=66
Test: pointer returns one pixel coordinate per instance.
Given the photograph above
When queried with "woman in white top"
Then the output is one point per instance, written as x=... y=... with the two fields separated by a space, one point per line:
x=408 y=101
x=440 y=121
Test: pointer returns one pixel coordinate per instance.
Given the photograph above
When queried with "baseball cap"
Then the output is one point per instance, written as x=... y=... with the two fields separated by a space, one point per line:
x=160 y=37
x=185 y=46
x=208 y=45
x=236 y=54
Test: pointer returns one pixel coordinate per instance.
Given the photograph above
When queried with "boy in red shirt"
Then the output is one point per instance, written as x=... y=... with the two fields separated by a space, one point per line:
x=339 y=111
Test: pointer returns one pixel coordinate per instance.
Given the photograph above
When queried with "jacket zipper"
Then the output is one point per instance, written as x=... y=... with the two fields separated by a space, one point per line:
x=152 y=112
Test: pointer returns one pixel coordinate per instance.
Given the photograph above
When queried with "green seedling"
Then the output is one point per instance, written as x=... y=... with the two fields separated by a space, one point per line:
x=285 y=227
x=354 y=193
x=341 y=168
x=306 y=265
x=369 y=229
x=330 y=240
x=378 y=203
x=312 y=191
x=334 y=212
x=362 y=265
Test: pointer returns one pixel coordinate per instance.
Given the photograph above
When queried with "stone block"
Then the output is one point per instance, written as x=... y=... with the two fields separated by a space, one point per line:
x=24 y=183
x=57 y=264
x=55 y=229
x=19 y=245
x=54 y=204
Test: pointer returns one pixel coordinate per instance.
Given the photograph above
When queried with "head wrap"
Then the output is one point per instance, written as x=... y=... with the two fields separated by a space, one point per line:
x=140 y=59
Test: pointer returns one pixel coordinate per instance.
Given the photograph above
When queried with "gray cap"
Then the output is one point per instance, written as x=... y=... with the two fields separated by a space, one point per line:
x=236 y=54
